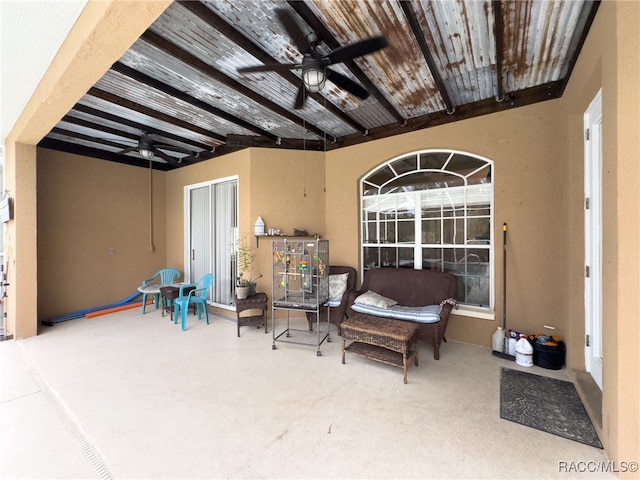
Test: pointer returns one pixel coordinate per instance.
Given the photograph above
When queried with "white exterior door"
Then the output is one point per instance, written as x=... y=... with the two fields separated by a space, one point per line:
x=593 y=238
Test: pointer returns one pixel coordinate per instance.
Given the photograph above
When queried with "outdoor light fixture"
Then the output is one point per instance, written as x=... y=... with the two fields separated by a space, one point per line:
x=145 y=148
x=148 y=154
x=314 y=75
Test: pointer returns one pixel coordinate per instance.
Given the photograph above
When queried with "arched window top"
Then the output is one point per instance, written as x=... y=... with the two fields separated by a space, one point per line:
x=426 y=170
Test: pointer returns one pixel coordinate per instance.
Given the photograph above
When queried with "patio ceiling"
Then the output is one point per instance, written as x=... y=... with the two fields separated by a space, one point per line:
x=446 y=60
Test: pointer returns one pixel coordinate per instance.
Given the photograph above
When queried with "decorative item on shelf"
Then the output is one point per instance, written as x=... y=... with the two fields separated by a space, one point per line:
x=245 y=285
x=259 y=226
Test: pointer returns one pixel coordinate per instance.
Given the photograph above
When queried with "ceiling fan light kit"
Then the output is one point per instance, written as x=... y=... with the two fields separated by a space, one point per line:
x=148 y=149
x=146 y=153
x=314 y=75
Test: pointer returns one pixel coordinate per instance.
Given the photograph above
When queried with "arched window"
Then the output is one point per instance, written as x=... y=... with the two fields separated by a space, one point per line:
x=432 y=209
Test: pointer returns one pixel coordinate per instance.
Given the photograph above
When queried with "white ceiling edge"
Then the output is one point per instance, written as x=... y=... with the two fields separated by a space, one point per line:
x=31 y=33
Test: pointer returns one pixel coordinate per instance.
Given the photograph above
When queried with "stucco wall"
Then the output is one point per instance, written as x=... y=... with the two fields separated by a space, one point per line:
x=527 y=146
x=101 y=34
x=94 y=237
x=285 y=188
x=611 y=62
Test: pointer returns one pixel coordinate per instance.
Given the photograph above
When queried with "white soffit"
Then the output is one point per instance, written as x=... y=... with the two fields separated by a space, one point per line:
x=31 y=33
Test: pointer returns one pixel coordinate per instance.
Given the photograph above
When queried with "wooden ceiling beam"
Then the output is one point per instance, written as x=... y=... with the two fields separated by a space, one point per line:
x=498 y=34
x=89 y=138
x=124 y=121
x=193 y=61
x=412 y=18
x=287 y=143
x=75 y=149
x=195 y=102
x=122 y=133
x=143 y=109
x=520 y=98
x=99 y=127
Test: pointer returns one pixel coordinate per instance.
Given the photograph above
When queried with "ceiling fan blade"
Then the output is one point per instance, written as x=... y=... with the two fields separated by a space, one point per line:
x=347 y=84
x=128 y=149
x=357 y=49
x=300 y=98
x=169 y=159
x=276 y=67
x=295 y=32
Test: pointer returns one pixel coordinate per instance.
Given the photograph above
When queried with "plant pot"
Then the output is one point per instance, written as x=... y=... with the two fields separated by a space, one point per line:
x=252 y=288
x=242 y=292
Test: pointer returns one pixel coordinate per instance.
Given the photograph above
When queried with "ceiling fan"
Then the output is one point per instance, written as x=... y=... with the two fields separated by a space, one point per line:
x=314 y=66
x=148 y=149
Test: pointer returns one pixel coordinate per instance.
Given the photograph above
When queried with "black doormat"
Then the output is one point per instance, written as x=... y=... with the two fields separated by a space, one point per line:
x=547 y=404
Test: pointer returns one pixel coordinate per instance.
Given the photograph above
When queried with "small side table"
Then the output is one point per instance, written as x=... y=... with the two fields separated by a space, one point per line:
x=169 y=293
x=257 y=302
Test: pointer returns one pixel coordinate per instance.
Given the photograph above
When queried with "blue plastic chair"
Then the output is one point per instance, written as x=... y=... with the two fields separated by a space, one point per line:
x=150 y=286
x=196 y=297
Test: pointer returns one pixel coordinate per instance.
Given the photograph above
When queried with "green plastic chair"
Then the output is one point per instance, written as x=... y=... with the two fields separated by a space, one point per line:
x=151 y=286
x=196 y=297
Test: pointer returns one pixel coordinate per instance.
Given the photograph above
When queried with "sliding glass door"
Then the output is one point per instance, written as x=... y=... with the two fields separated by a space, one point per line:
x=210 y=230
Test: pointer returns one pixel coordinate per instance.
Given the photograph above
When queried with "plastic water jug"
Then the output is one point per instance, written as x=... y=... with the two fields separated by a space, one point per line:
x=259 y=226
x=497 y=339
x=524 y=352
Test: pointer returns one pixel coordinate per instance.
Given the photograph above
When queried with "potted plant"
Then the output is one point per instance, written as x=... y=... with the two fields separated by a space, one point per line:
x=245 y=285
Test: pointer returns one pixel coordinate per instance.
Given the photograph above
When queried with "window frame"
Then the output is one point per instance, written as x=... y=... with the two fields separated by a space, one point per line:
x=384 y=184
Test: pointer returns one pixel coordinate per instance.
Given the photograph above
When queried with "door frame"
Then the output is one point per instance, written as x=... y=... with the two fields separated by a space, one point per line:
x=593 y=238
x=187 y=229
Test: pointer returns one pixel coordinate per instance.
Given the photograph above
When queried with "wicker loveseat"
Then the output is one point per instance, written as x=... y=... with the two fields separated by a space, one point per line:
x=412 y=288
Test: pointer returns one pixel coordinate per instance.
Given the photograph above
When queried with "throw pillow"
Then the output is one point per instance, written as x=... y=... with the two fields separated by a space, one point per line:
x=337 y=286
x=374 y=299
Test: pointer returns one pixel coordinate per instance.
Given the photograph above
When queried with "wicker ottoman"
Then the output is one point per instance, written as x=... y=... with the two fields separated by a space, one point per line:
x=388 y=341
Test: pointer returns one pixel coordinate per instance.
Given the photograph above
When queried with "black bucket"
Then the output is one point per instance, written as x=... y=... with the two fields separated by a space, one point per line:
x=549 y=356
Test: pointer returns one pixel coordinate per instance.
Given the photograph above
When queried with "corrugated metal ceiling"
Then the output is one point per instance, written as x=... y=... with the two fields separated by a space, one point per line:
x=446 y=60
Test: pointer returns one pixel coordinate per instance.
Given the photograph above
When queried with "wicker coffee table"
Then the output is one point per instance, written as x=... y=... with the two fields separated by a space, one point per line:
x=388 y=341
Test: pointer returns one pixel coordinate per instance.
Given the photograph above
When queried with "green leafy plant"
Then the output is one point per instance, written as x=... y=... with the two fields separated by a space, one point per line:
x=245 y=256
